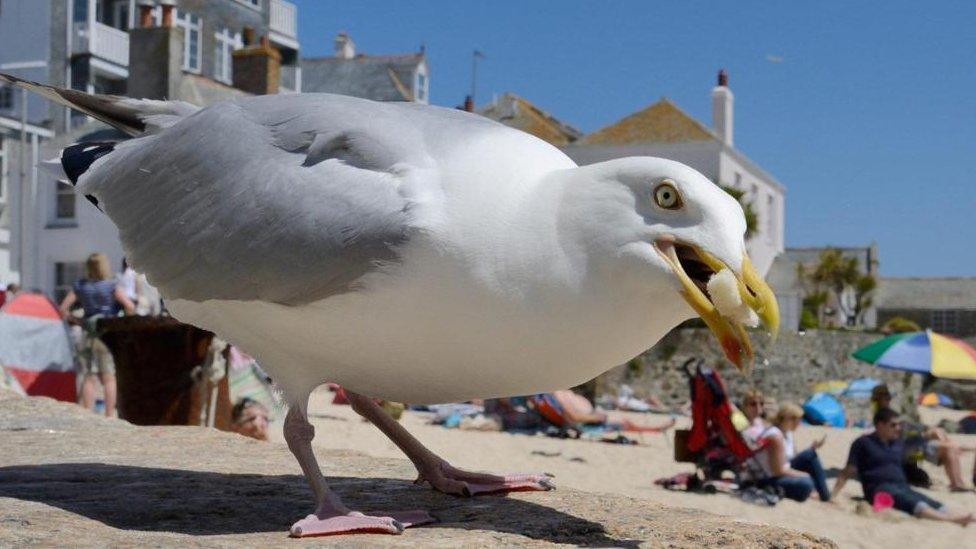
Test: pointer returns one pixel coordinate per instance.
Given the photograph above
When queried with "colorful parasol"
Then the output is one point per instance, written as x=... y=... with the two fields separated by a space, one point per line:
x=922 y=352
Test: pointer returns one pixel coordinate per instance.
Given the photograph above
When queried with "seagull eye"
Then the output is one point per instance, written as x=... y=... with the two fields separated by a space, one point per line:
x=666 y=196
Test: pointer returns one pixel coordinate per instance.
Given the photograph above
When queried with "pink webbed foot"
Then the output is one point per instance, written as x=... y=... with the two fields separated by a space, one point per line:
x=446 y=478
x=355 y=522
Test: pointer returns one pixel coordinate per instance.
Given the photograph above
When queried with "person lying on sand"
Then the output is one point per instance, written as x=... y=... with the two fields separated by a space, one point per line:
x=577 y=409
x=877 y=460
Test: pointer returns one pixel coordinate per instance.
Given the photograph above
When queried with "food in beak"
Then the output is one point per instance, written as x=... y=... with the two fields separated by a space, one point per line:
x=707 y=286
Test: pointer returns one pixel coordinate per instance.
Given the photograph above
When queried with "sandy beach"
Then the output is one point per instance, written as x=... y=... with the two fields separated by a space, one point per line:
x=631 y=471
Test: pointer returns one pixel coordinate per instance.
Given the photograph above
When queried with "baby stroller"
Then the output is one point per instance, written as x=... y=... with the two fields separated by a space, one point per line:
x=714 y=444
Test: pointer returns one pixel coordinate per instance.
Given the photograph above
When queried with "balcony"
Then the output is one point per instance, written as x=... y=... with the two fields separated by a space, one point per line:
x=284 y=21
x=102 y=41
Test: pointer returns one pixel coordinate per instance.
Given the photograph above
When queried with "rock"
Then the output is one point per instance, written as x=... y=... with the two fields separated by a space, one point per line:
x=70 y=478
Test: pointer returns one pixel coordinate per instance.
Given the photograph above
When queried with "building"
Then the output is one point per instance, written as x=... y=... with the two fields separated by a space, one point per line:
x=399 y=77
x=664 y=130
x=518 y=113
x=84 y=44
x=15 y=228
x=784 y=278
x=945 y=305
x=198 y=51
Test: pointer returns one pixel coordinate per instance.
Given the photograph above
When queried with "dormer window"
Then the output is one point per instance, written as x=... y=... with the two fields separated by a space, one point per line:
x=420 y=92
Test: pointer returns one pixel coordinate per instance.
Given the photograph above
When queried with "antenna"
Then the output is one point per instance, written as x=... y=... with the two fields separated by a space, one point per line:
x=475 y=56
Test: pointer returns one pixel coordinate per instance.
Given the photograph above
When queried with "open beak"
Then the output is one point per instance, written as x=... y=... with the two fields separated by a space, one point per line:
x=694 y=267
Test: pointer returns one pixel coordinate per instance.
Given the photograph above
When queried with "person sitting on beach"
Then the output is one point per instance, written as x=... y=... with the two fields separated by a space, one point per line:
x=249 y=418
x=779 y=450
x=753 y=407
x=877 y=459
x=929 y=443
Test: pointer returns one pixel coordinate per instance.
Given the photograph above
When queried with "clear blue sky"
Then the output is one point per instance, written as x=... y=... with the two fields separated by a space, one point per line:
x=867 y=112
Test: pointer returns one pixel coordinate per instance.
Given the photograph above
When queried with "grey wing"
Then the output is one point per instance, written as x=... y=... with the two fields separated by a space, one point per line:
x=280 y=199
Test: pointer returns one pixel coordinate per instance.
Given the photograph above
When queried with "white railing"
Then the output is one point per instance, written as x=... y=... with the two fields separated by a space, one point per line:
x=102 y=41
x=284 y=18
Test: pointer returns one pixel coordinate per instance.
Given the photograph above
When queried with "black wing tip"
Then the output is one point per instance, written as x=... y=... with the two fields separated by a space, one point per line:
x=77 y=158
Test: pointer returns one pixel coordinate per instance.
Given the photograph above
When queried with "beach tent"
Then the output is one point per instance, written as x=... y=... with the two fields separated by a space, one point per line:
x=824 y=409
x=35 y=347
x=833 y=386
x=935 y=399
x=861 y=387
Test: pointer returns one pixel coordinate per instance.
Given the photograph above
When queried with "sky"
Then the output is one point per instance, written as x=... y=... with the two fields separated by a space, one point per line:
x=865 y=111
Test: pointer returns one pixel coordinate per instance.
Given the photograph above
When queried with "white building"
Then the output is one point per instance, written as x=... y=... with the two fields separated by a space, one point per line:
x=86 y=45
x=665 y=131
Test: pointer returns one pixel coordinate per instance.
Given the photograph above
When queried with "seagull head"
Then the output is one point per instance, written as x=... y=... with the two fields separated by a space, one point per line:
x=666 y=221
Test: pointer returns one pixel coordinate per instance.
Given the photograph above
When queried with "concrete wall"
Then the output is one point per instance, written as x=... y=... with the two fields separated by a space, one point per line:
x=785 y=370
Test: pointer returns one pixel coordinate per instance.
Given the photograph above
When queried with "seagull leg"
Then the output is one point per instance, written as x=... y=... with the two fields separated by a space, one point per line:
x=436 y=471
x=331 y=516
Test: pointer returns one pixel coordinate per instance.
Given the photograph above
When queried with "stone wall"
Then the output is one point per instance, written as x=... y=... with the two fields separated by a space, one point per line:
x=785 y=370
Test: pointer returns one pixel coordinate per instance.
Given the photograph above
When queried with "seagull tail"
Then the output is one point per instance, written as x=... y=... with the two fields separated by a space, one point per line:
x=132 y=116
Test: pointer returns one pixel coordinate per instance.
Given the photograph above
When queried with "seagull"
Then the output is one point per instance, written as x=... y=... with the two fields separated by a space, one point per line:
x=410 y=253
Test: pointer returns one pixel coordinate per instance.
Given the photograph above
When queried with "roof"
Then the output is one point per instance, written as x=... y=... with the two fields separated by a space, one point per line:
x=518 y=113
x=927 y=293
x=662 y=121
x=377 y=77
x=665 y=122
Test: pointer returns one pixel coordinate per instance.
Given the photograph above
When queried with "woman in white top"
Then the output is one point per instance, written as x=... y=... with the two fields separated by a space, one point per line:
x=796 y=473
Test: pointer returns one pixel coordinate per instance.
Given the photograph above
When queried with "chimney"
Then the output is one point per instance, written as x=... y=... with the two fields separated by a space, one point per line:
x=167 y=6
x=145 y=14
x=155 y=55
x=468 y=103
x=345 y=48
x=248 y=36
x=257 y=69
x=722 y=100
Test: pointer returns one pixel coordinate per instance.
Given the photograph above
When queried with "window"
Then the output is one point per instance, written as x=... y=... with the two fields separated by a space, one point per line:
x=64 y=202
x=3 y=171
x=771 y=220
x=421 y=94
x=6 y=97
x=191 y=24
x=225 y=44
x=945 y=321
x=738 y=181
x=65 y=275
x=80 y=11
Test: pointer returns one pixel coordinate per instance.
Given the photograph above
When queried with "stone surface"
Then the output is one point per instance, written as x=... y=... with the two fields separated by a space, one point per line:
x=69 y=478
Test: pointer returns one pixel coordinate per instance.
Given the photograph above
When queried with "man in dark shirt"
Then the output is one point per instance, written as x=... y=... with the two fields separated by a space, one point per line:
x=877 y=459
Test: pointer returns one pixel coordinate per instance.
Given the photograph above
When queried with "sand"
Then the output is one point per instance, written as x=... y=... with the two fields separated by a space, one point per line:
x=631 y=471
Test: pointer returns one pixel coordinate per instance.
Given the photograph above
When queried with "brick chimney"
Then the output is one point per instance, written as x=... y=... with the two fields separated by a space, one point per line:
x=155 y=55
x=468 y=103
x=257 y=69
x=722 y=100
x=344 y=47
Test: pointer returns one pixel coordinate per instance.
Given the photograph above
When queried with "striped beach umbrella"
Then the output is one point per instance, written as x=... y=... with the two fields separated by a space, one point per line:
x=922 y=352
x=35 y=347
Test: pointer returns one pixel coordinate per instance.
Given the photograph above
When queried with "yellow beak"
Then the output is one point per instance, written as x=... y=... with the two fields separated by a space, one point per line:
x=754 y=291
